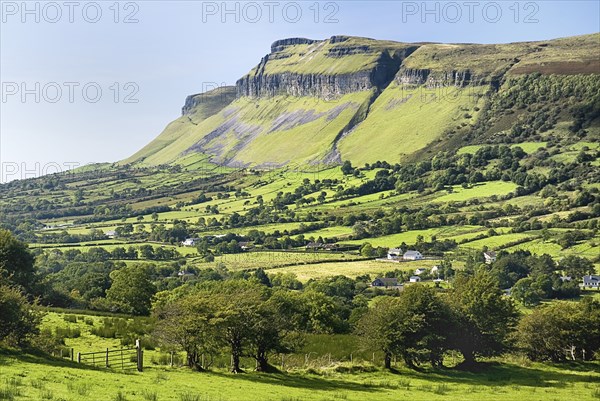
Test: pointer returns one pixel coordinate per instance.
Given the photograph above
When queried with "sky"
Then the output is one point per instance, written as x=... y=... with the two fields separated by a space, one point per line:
x=85 y=81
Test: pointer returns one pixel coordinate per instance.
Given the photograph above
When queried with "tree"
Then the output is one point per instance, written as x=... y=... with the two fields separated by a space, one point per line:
x=428 y=319
x=549 y=330
x=414 y=326
x=347 y=168
x=16 y=262
x=185 y=323
x=131 y=290
x=367 y=250
x=380 y=327
x=483 y=317
x=18 y=321
x=526 y=292
x=237 y=316
x=576 y=267
x=276 y=328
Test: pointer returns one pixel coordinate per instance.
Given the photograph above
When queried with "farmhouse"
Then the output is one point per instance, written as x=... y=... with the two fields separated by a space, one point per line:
x=435 y=270
x=314 y=246
x=394 y=254
x=490 y=257
x=387 y=282
x=592 y=281
x=420 y=271
x=414 y=279
x=412 y=255
x=110 y=234
x=185 y=274
x=246 y=246
x=330 y=247
x=190 y=242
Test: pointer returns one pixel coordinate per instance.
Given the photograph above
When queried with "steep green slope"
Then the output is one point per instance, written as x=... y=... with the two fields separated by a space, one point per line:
x=404 y=120
x=197 y=108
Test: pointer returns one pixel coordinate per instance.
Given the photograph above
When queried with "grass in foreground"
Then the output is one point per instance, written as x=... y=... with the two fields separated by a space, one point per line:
x=29 y=377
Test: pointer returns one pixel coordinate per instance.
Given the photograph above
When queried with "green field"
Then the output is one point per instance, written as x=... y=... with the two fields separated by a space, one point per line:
x=484 y=190
x=318 y=377
x=351 y=269
x=34 y=378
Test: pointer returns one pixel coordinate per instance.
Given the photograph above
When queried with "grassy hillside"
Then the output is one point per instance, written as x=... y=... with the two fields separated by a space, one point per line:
x=405 y=120
x=201 y=107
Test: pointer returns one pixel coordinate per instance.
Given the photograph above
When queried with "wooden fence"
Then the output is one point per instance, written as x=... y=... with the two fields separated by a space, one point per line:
x=123 y=358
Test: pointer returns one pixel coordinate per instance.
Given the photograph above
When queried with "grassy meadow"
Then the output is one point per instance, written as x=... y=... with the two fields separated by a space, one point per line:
x=321 y=371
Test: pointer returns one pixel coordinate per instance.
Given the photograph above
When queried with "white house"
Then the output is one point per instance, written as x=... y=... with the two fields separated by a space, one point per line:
x=394 y=254
x=435 y=270
x=420 y=271
x=246 y=246
x=592 y=281
x=111 y=234
x=412 y=255
x=490 y=257
x=190 y=242
x=414 y=279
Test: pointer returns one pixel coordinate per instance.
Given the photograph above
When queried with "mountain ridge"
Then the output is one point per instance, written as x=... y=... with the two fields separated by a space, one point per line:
x=344 y=76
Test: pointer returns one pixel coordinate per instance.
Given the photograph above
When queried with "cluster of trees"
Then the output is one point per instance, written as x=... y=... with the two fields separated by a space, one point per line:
x=561 y=330
x=421 y=325
x=243 y=316
x=533 y=278
x=18 y=321
x=254 y=316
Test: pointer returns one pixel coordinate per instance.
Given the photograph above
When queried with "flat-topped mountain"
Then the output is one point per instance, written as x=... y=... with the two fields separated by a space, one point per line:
x=313 y=102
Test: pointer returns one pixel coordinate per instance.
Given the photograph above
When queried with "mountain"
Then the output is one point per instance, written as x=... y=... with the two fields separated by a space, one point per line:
x=316 y=102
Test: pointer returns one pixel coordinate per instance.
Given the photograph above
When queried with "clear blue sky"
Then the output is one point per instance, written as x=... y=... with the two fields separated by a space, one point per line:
x=177 y=48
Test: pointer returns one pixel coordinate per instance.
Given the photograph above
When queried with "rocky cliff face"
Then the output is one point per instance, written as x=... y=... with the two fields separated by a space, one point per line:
x=433 y=79
x=261 y=83
x=208 y=102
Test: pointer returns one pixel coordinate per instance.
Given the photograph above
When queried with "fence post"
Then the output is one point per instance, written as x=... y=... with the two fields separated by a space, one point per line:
x=140 y=355
x=107 y=358
x=171 y=358
x=72 y=353
x=330 y=358
x=203 y=362
x=350 y=358
x=79 y=357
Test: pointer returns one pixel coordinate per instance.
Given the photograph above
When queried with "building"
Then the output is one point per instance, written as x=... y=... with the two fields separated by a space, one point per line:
x=490 y=257
x=591 y=281
x=412 y=255
x=435 y=271
x=386 y=282
x=314 y=246
x=394 y=254
x=330 y=247
x=414 y=279
x=246 y=246
x=190 y=242
x=111 y=234
x=185 y=275
x=420 y=271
